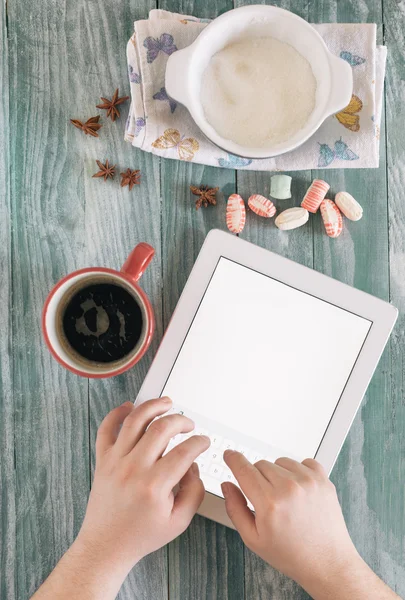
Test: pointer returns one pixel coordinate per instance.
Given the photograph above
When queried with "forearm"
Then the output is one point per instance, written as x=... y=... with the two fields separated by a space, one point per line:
x=82 y=573
x=352 y=579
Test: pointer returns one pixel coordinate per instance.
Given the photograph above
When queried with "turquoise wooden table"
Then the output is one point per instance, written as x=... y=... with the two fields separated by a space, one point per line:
x=56 y=59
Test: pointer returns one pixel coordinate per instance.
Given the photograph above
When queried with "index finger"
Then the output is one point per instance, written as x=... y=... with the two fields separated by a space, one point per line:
x=251 y=481
x=137 y=421
x=175 y=464
x=154 y=442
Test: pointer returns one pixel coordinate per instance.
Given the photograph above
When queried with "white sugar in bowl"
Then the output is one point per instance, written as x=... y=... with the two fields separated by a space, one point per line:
x=333 y=75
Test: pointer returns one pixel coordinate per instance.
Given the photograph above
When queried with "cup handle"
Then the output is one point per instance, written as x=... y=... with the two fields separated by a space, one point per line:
x=176 y=76
x=342 y=84
x=138 y=261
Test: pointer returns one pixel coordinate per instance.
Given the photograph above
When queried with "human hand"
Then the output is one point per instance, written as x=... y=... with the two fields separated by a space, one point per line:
x=132 y=509
x=298 y=526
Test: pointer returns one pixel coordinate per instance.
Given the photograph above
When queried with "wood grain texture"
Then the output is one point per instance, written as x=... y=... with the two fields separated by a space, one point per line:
x=192 y=573
x=360 y=258
x=393 y=519
x=7 y=473
x=48 y=241
x=58 y=58
x=116 y=219
x=207 y=561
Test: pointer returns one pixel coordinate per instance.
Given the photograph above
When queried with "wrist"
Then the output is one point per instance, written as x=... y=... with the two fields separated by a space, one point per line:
x=108 y=567
x=84 y=572
x=338 y=578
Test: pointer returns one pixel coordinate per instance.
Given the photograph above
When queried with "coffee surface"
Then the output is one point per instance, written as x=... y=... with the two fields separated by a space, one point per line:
x=102 y=322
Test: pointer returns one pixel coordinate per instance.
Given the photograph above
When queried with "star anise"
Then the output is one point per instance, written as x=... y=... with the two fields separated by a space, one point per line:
x=111 y=105
x=130 y=178
x=90 y=127
x=105 y=171
x=205 y=195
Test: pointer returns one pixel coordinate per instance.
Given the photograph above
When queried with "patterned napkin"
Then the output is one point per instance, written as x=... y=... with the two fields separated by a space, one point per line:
x=158 y=124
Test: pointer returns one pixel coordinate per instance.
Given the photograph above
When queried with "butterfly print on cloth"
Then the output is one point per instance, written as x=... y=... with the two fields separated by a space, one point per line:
x=133 y=76
x=164 y=44
x=341 y=151
x=347 y=117
x=171 y=138
x=162 y=95
x=139 y=125
x=234 y=162
x=352 y=59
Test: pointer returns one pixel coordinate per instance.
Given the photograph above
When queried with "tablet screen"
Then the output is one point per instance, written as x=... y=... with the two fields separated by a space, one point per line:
x=263 y=367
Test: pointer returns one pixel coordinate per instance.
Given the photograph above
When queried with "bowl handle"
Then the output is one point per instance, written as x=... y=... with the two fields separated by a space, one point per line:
x=176 y=78
x=342 y=84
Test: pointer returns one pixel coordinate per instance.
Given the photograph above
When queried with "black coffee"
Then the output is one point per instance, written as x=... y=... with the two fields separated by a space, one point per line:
x=102 y=322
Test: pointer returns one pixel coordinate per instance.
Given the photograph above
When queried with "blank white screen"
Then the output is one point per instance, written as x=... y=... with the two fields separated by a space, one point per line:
x=266 y=359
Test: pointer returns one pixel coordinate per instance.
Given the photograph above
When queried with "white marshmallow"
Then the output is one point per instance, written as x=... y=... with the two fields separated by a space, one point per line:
x=349 y=206
x=292 y=218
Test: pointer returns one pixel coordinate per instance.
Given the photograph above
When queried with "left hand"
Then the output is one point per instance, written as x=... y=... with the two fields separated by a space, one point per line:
x=132 y=508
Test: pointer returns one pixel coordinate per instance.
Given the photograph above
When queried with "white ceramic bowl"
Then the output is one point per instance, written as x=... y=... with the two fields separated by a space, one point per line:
x=333 y=75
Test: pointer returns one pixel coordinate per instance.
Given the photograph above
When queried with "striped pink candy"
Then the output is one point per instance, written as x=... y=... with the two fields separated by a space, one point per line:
x=332 y=218
x=315 y=194
x=261 y=206
x=235 y=213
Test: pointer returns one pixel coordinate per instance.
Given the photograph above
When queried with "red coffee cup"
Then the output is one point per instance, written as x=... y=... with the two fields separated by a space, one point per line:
x=62 y=293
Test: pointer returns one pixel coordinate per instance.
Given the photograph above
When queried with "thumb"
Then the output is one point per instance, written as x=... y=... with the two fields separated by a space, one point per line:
x=239 y=513
x=189 y=497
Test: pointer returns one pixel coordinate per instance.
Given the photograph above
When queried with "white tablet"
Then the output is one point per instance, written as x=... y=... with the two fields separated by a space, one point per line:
x=267 y=357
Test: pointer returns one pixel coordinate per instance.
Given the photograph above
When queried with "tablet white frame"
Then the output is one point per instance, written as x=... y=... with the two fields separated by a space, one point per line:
x=220 y=244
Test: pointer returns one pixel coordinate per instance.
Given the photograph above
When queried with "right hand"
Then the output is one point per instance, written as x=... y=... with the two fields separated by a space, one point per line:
x=298 y=526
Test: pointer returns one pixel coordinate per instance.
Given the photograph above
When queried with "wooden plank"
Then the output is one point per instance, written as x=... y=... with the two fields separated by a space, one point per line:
x=365 y=475
x=392 y=518
x=51 y=413
x=116 y=220
x=370 y=186
x=7 y=474
x=206 y=561
x=262 y=581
